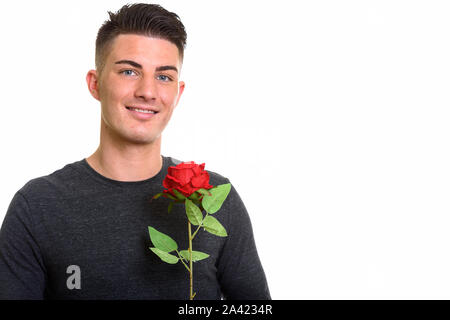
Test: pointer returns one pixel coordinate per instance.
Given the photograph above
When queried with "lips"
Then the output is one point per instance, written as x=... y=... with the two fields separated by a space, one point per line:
x=141 y=113
x=142 y=109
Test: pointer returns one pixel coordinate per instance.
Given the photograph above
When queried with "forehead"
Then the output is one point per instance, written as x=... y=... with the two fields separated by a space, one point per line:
x=143 y=49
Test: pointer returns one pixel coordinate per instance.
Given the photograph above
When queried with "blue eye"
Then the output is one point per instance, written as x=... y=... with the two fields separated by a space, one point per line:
x=164 y=78
x=126 y=72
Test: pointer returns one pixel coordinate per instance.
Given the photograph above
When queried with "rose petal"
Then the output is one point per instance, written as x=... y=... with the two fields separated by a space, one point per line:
x=171 y=182
x=186 y=190
x=187 y=177
x=185 y=165
x=182 y=175
x=201 y=180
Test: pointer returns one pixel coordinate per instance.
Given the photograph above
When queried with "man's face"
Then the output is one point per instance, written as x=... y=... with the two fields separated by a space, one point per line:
x=140 y=73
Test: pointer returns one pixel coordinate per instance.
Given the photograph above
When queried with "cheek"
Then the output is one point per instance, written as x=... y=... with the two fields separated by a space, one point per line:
x=115 y=91
x=169 y=96
x=112 y=103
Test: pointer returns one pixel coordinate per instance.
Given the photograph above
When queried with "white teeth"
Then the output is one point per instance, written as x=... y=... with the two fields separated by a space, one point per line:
x=141 y=110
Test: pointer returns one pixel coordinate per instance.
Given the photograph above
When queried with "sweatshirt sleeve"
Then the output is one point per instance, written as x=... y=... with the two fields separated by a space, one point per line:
x=240 y=272
x=22 y=271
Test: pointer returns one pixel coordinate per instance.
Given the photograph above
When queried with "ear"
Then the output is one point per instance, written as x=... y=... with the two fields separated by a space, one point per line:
x=92 y=82
x=180 y=91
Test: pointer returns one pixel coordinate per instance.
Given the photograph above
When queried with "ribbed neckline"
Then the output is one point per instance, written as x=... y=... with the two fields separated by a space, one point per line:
x=158 y=177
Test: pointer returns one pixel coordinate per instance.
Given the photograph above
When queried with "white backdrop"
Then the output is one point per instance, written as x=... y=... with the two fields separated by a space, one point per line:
x=331 y=118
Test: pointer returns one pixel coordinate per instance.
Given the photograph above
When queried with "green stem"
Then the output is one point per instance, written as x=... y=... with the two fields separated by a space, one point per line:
x=181 y=259
x=196 y=231
x=190 y=263
x=198 y=228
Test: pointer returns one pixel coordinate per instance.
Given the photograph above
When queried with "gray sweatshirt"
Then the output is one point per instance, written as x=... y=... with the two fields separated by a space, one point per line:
x=75 y=234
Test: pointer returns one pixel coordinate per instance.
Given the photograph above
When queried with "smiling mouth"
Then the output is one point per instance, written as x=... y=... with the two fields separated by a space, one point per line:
x=141 y=110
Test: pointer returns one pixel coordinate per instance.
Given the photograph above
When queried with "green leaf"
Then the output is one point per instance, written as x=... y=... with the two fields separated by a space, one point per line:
x=212 y=225
x=161 y=241
x=214 y=202
x=179 y=195
x=169 y=208
x=196 y=255
x=164 y=256
x=193 y=213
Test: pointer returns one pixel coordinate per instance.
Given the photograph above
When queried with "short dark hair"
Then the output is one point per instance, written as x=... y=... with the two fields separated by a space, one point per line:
x=143 y=19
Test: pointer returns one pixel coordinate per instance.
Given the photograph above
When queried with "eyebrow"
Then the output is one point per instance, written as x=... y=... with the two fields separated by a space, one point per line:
x=139 y=66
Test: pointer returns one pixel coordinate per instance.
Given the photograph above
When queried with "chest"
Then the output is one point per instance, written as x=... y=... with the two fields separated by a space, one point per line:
x=100 y=250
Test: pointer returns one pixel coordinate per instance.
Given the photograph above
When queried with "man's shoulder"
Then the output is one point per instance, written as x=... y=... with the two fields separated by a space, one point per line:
x=52 y=183
x=214 y=177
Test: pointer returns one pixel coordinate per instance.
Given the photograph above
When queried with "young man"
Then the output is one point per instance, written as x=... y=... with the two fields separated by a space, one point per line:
x=82 y=231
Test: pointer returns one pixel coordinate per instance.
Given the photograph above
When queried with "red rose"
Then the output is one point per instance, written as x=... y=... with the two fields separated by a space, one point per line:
x=186 y=177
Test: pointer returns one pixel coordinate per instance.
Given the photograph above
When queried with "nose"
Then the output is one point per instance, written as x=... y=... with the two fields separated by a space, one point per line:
x=147 y=89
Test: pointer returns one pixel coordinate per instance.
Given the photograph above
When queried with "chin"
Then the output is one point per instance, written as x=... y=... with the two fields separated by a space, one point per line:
x=142 y=139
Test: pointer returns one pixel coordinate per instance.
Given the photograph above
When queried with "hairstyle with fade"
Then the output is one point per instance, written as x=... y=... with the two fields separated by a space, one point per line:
x=142 y=19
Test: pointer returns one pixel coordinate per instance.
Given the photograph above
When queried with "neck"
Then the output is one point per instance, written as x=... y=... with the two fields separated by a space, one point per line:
x=123 y=161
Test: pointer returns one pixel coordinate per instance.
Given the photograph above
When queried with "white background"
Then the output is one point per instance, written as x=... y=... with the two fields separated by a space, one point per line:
x=331 y=118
